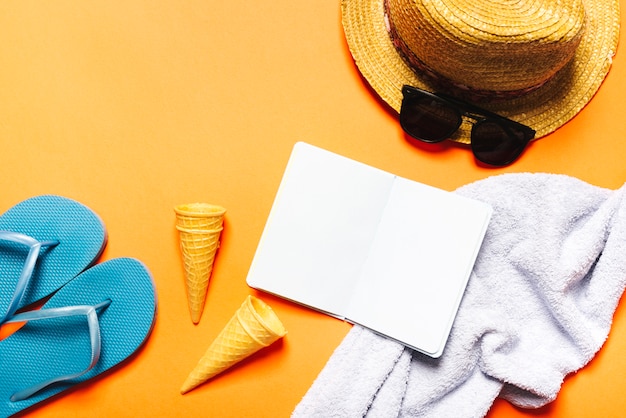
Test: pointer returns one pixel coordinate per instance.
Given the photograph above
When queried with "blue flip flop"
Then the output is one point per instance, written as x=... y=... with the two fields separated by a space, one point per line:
x=95 y=322
x=45 y=241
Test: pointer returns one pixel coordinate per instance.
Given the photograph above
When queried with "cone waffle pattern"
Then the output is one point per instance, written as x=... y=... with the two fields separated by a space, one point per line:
x=199 y=216
x=254 y=326
x=199 y=226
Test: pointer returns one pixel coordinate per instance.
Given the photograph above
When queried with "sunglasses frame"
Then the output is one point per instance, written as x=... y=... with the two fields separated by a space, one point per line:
x=470 y=111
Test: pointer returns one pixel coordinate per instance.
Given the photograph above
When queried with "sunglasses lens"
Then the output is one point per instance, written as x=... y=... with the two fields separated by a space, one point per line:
x=497 y=144
x=428 y=119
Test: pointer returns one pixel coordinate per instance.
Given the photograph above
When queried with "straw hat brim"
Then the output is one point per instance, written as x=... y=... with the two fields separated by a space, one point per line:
x=544 y=109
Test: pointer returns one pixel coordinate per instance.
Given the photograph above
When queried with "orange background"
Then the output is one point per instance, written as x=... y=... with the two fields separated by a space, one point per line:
x=132 y=107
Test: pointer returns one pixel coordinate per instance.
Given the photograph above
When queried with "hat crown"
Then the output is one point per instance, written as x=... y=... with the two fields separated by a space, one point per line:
x=487 y=45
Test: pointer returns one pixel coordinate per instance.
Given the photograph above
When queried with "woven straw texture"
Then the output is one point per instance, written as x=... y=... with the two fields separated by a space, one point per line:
x=544 y=33
x=252 y=327
x=199 y=234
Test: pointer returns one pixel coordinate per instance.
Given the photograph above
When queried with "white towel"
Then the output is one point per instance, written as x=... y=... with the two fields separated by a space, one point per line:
x=538 y=306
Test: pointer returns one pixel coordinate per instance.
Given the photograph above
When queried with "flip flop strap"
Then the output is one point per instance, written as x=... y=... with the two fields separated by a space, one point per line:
x=29 y=265
x=94 y=335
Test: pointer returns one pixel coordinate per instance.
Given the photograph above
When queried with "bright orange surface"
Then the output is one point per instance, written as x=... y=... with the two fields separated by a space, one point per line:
x=132 y=107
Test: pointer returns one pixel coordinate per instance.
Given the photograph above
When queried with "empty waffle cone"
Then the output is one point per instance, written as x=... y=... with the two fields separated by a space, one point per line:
x=199 y=226
x=252 y=327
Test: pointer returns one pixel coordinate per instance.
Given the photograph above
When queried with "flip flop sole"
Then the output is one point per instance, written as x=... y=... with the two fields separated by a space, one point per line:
x=45 y=349
x=81 y=235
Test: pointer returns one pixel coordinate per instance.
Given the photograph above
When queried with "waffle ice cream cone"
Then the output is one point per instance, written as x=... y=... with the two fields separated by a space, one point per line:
x=252 y=327
x=199 y=226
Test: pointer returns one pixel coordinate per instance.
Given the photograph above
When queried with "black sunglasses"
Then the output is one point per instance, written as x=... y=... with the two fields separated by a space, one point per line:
x=433 y=117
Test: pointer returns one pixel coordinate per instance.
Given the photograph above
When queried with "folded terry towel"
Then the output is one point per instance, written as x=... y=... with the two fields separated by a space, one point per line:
x=538 y=306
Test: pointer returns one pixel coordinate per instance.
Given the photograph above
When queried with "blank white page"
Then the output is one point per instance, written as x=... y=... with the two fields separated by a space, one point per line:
x=419 y=264
x=320 y=229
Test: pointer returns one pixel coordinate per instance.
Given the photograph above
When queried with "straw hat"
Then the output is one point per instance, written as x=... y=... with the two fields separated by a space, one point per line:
x=538 y=62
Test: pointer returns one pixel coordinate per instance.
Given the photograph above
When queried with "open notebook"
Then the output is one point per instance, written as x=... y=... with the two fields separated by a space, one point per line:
x=369 y=247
